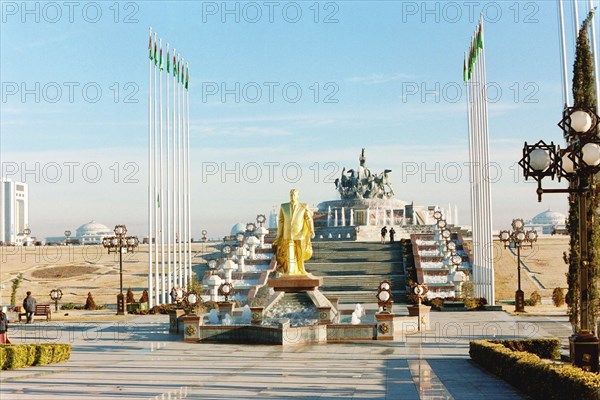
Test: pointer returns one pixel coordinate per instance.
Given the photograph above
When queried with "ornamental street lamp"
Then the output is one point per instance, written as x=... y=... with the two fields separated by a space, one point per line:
x=121 y=244
x=26 y=233
x=518 y=238
x=56 y=295
x=579 y=164
x=67 y=235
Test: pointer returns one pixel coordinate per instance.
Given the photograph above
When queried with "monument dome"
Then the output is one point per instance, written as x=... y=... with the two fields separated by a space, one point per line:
x=549 y=217
x=92 y=233
x=238 y=228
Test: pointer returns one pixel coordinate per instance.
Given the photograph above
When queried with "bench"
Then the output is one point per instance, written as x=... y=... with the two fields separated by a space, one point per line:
x=40 y=310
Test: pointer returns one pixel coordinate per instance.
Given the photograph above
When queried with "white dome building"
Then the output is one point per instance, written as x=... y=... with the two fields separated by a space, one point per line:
x=238 y=228
x=92 y=233
x=547 y=221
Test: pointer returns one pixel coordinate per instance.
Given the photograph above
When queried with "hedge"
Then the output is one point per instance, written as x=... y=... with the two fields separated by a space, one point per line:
x=15 y=356
x=543 y=348
x=527 y=371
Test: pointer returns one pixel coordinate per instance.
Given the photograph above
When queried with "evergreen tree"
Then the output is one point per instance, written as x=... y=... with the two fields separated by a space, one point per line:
x=584 y=95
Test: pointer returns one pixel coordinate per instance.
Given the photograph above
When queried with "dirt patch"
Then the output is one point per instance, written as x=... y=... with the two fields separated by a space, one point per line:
x=63 y=271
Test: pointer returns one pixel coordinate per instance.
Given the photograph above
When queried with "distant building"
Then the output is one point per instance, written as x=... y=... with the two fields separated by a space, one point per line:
x=14 y=211
x=90 y=233
x=547 y=222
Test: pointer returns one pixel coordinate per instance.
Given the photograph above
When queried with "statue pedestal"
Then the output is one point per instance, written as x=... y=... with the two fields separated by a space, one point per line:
x=295 y=283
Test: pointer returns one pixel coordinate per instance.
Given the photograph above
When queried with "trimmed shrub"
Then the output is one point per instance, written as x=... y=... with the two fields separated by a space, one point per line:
x=129 y=296
x=15 y=356
x=533 y=376
x=90 y=304
x=535 y=298
x=558 y=297
x=543 y=348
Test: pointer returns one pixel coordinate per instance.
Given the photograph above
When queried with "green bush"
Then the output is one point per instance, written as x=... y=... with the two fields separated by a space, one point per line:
x=543 y=348
x=15 y=356
x=533 y=376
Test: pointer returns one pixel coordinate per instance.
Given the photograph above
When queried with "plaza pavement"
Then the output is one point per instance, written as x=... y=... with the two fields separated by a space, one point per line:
x=136 y=358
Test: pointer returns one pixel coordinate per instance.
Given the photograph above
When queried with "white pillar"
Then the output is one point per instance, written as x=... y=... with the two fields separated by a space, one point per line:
x=229 y=267
x=328 y=216
x=335 y=218
x=343 y=216
x=352 y=217
x=368 y=218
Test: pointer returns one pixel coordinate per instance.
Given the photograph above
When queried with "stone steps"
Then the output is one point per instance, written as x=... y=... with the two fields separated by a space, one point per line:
x=351 y=297
x=361 y=282
x=354 y=268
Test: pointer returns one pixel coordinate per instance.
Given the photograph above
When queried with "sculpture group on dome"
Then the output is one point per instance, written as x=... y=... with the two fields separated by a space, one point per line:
x=362 y=184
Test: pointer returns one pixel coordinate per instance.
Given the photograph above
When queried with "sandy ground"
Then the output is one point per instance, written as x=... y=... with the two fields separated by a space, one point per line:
x=76 y=270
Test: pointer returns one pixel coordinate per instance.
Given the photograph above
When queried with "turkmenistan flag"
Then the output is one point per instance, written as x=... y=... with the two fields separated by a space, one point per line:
x=155 y=51
x=160 y=63
x=182 y=74
x=480 y=36
x=174 y=66
x=150 y=47
x=168 y=62
x=158 y=200
x=465 y=68
x=187 y=78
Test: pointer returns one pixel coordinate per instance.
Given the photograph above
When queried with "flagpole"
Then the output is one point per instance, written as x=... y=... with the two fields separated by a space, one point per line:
x=161 y=192
x=563 y=48
x=470 y=138
x=576 y=20
x=179 y=173
x=175 y=59
x=150 y=179
x=186 y=245
x=156 y=118
x=486 y=184
x=183 y=188
x=168 y=176
x=189 y=202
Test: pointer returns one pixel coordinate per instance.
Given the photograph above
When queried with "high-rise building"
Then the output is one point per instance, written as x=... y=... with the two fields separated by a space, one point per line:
x=14 y=211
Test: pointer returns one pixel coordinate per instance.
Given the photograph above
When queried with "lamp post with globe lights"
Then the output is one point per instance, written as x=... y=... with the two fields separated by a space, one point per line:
x=121 y=244
x=67 y=236
x=56 y=295
x=579 y=164
x=518 y=238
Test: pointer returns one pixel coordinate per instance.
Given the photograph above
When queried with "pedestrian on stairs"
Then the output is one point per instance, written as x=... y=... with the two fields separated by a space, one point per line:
x=383 y=234
x=392 y=233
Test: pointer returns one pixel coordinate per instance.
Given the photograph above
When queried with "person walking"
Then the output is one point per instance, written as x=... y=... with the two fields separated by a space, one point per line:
x=29 y=306
x=392 y=233
x=3 y=328
x=383 y=234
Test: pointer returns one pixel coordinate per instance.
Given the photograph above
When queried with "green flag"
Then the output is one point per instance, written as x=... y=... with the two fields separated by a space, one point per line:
x=480 y=36
x=160 y=63
x=465 y=68
x=174 y=66
x=187 y=78
x=168 y=62
x=150 y=48
x=158 y=200
x=155 y=57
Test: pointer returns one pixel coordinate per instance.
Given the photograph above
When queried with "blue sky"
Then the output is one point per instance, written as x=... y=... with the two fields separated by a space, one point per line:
x=392 y=71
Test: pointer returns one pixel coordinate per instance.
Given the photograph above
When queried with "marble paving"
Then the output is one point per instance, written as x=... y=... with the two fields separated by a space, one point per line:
x=138 y=359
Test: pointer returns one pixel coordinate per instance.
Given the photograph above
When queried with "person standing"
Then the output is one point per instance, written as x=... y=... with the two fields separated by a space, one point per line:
x=3 y=328
x=392 y=233
x=29 y=306
x=383 y=234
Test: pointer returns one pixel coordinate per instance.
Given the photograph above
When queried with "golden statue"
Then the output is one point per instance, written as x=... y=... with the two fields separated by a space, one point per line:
x=295 y=228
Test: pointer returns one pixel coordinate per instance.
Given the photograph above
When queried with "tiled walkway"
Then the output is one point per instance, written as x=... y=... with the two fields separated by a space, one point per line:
x=139 y=360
